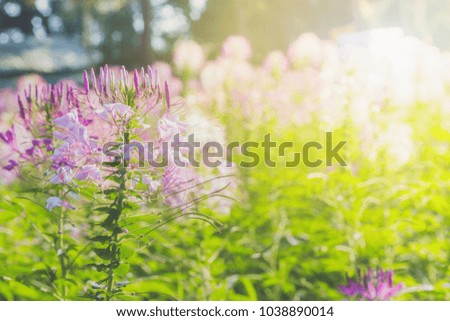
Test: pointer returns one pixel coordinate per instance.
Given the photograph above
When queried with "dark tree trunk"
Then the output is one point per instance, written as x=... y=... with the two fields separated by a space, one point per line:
x=147 y=33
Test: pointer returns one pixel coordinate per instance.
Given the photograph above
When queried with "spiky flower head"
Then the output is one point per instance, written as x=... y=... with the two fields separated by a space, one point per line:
x=373 y=285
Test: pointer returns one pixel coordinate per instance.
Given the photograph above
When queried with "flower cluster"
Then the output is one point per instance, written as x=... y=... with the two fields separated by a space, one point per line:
x=355 y=80
x=64 y=128
x=29 y=139
x=61 y=135
x=373 y=285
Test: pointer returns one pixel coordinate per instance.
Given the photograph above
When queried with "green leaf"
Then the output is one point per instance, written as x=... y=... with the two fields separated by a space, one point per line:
x=127 y=251
x=109 y=191
x=101 y=239
x=104 y=254
x=112 y=164
x=122 y=269
x=98 y=267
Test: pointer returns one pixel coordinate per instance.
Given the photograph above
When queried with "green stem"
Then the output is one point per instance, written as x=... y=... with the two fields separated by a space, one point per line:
x=114 y=249
x=112 y=261
x=61 y=254
x=115 y=253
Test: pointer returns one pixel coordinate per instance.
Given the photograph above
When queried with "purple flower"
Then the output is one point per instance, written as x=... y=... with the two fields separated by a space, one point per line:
x=136 y=82
x=54 y=201
x=152 y=184
x=119 y=111
x=166 y=90
x=88 y=172
x=177 y=184
x=70 y=129
x=30 y=151
x=8 y=136
x=48 y=144
x=86 y=82
x=374 y=285
x=12 y=164
x=63 y=175
x=169 y=125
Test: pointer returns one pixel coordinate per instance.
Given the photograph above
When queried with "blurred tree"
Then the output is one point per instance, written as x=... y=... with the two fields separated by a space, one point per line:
x=414 y=17
x=19 y=15
x=147 y=31
x=270 y=24
x=125 y=31
x=137 y=32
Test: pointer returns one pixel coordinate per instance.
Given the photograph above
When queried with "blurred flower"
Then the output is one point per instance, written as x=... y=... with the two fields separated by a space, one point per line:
x=177 y=183
x=306 y=50
x=170 y=125
x=374 y=285
x=8 y=136
x=212 y=76
x=8 y=99
x=30 y=80
x=188 y=56
x=236 y=48
x=164 y=74
x=54 y=201
x=12 y=164
x=89 y=172
x=395 y=142
x=276 y=63
x=152 y=184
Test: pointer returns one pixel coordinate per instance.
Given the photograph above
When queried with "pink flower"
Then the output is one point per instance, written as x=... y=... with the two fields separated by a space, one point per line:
x=188 y=56
x=152 y=184
x=119 y=111
x=69 y=128
x=8 y=99
x=177 y=184
x=305 y=51
x=169 y=125
x=66 y=127
x=163 y=72
x=89 y=172
x=372 y=286
x=30 y=80
x=236 y=47
x=63 y=175
x=276 y=62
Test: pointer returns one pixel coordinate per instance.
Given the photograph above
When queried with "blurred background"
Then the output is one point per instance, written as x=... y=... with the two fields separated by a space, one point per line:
x=59 y=38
